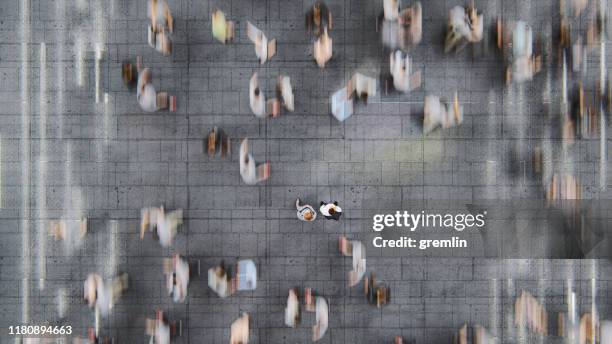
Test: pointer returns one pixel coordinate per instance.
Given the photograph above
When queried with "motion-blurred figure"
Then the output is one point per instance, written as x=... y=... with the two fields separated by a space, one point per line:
x=149 y=100
x=220 y=282
x=239 y=332
x=251 y=172
x=464 y=25
x=165 y=224
x=161 y=330
x=162 y=25
x=563 y=187
x=264 y=49
x=257 y=100
x=222 y=29
x=322 y=318
x=529 y=313
x=70 y=231
x=436 y=113
x=305 y=212
x=284 y=91
x=401 y=29
x=177 y=272
x=103 y=295
x=323 y=49
x=357 y=250
x=378 y=294
x=319 y=19
x=391 y=10
x=516 y=43
x=401 y=72
x=362 y=86
x=331 y=211
x=292 y=311
x=217 y=143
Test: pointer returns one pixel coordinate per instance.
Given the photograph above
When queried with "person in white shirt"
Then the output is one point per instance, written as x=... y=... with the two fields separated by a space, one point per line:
x=323 y=49
x=464 y=25
x=165 y=224
x=251 y=173
x=292 y=311
x=438 y=114
x=220 y=282
x=391 y=10
x=239 y=332
x=103 y=295
x=263 y=49
x=322 y=319
x=256 y=98
x=177 y=279
x=145 y=93
x=285 y=92
x=401 y=71
x=357 y=250
x=330 y=211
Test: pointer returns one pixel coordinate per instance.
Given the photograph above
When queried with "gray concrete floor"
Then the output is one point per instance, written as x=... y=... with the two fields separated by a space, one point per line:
x=64 y=155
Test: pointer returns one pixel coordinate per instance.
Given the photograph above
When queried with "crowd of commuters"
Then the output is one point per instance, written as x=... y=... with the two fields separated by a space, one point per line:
x=401 y=29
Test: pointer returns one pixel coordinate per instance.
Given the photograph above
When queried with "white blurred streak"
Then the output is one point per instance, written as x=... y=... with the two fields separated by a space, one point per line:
x=603 y=161
x=25 y=159
x=61 y=303
x=79 y=59
x=60 y=79
x=42 y=171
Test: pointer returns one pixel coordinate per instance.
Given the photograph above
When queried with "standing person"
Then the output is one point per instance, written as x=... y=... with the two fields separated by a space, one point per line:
x=331 y=211
x=305 y=212
x=251 y=172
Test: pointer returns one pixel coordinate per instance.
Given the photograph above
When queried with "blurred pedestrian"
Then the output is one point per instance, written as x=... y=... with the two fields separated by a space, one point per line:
x=438 y=114
x=401 y=71
x=284 y=92
x=264 y=49
x=222 y=29
x=464 y=25
x=239 y=332
x=323 y=49
x=103 y=295
x=322 y=318
x=220 y=282
x=357 y=250
x=162 y=25
x=177 y=272
x=319 y=18
x=165 y=224
x=149 y=100
x=251 y=172
x=292 y=311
